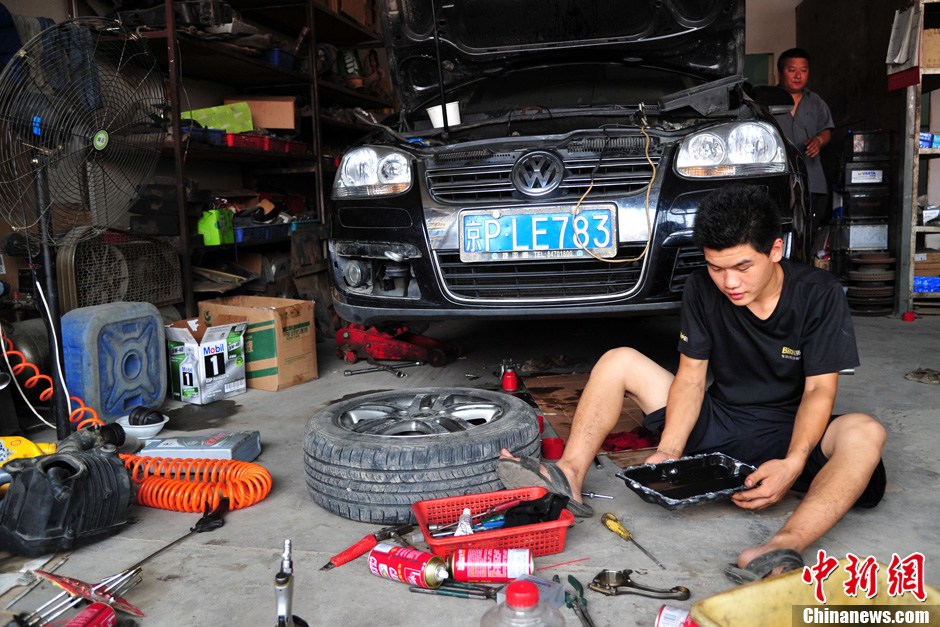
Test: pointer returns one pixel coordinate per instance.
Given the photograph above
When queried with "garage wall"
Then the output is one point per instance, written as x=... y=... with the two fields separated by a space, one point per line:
x=849 y=71
x=770 y=26
x=55 y=9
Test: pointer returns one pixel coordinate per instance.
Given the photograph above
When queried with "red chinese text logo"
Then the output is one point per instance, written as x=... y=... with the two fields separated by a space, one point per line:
x=903 y=575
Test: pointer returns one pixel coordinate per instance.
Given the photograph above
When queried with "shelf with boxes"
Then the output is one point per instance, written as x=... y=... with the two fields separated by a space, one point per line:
x=246 y=93
x=919 y=279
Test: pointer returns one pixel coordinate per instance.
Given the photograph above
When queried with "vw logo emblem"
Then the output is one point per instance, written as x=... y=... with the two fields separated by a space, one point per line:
x=537 y=173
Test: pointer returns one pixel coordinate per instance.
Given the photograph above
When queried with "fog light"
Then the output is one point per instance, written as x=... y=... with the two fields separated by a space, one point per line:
x=353 y=273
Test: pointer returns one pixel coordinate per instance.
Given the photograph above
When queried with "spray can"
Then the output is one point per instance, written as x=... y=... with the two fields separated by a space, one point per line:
x=509 y=380
x=670 y=616
x=407 y=565
x=489 y=565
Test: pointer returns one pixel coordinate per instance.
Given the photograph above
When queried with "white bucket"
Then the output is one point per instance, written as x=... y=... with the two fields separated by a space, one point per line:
x=453 y=115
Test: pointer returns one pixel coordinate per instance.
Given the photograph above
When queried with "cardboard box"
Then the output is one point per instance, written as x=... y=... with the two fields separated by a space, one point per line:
x=359 y=10
x=232 y=117
x=930 y=48
x=280 y=343
x=271 y=112
x=244 y=446
x=927 y=263
x=207 y=363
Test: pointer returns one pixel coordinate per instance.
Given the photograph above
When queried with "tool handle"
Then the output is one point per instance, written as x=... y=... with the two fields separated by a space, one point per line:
x=502 y=507
x=612 y=523
x=359 y=548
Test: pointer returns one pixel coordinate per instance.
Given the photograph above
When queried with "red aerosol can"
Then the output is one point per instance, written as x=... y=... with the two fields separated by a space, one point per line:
x=489 y=565
x=97 y=614
x=407 y=565
x=670 y=616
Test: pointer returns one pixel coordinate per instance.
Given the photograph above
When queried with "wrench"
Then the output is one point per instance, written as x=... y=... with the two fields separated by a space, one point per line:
x=377 y=367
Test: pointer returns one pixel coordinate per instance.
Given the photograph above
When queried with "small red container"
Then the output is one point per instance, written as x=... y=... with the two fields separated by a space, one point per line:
x=243 y=140
x=542 y=538
x=489 y=565
x=407 y=564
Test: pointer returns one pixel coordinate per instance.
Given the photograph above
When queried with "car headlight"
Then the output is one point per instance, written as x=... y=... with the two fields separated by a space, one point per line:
x=372 y=171
x=739 y=149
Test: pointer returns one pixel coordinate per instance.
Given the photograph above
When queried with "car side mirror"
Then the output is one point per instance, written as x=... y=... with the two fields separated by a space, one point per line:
x=776 y=99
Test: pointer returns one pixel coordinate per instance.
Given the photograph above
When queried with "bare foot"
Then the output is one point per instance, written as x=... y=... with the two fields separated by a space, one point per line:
x=572 y=478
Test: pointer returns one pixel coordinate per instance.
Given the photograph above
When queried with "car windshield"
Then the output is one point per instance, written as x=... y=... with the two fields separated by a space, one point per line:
x=569 y=86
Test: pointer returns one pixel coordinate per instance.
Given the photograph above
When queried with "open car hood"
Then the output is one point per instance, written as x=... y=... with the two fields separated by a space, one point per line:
x=477 y=38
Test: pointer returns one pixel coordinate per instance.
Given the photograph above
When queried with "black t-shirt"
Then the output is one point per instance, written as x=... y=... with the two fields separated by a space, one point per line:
x=759 y=366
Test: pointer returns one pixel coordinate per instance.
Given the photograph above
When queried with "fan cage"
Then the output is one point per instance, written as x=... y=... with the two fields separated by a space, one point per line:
x=83 y=119
x=117 y=266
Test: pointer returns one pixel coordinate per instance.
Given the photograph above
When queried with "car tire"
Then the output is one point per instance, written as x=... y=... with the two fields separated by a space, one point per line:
x=369 y=458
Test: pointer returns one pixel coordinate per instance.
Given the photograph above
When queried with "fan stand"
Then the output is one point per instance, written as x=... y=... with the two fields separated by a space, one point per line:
x=60 y=404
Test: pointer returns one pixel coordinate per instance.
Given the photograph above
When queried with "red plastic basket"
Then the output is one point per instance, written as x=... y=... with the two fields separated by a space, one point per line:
x=542 y=538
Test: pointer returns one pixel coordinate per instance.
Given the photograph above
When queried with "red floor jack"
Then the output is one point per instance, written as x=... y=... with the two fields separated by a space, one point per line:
x=355 y=342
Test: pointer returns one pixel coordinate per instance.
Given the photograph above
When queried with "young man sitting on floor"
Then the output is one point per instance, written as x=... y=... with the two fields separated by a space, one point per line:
x=775 y=335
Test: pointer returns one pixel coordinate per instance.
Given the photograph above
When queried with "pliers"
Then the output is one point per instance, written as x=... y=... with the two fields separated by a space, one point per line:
x=368 y=542
x=576 y=601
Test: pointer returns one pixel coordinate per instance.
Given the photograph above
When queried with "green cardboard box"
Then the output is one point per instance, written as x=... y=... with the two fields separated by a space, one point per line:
x=234 y=117
x=280 y=343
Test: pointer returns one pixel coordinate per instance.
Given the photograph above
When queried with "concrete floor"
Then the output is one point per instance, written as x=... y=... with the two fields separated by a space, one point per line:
x=226 y=577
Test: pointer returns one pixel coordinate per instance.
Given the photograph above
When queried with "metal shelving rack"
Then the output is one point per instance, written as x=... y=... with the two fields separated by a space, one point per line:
x=914 y=159
x=186 y=56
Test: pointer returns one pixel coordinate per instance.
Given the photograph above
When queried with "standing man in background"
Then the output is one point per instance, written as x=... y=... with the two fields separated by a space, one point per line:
x=808 y=125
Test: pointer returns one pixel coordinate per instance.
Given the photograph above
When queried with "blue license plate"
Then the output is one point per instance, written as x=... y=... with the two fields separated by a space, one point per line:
x=553 y=232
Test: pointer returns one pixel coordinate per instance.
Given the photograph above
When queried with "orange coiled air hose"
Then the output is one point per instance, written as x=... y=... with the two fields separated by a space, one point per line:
x=192 y=485
x=23 y=364
x=182 y=485
x=77 y=415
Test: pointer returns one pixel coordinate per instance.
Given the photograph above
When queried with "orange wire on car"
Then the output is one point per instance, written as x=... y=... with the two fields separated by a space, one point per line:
x=181 y=485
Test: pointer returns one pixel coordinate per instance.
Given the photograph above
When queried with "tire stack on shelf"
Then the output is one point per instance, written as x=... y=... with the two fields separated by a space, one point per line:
x=861 y=214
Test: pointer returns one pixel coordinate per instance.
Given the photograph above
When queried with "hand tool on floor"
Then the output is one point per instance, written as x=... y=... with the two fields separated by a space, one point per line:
x=614 y=582
x=394 y=532
x=458 y=589
x=577 y=601
x=379 y=367
x=594 y=495
x=284 y=591
x=611 y=522
x=111 y=589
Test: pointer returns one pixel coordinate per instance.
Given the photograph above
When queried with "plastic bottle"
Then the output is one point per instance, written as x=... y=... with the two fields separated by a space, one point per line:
x=522 y=609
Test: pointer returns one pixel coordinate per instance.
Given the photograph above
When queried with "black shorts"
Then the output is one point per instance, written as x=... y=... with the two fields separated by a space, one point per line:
x=715 y=432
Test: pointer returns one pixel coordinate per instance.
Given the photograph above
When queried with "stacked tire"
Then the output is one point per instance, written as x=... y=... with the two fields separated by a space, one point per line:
x=369 y=458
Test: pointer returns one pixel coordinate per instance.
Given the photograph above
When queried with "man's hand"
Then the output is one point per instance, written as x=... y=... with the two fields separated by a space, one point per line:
x=775 y=478
x=662 y=456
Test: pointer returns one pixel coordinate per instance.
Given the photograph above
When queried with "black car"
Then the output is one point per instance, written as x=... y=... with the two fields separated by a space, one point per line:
x=588 y=133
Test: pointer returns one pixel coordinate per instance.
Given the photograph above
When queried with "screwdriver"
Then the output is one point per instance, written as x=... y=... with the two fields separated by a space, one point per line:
x=611 y=522
x=492 y=511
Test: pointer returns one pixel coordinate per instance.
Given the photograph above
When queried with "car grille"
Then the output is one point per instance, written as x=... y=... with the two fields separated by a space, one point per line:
x=479 y=177
x=539 y=280
x=687 y=261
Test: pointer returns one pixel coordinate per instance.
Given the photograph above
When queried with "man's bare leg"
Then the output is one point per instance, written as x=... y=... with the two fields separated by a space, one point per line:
x=853 y=443
x=619 y=372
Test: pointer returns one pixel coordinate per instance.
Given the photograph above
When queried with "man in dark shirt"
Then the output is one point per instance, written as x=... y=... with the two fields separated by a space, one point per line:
x=775 y=335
